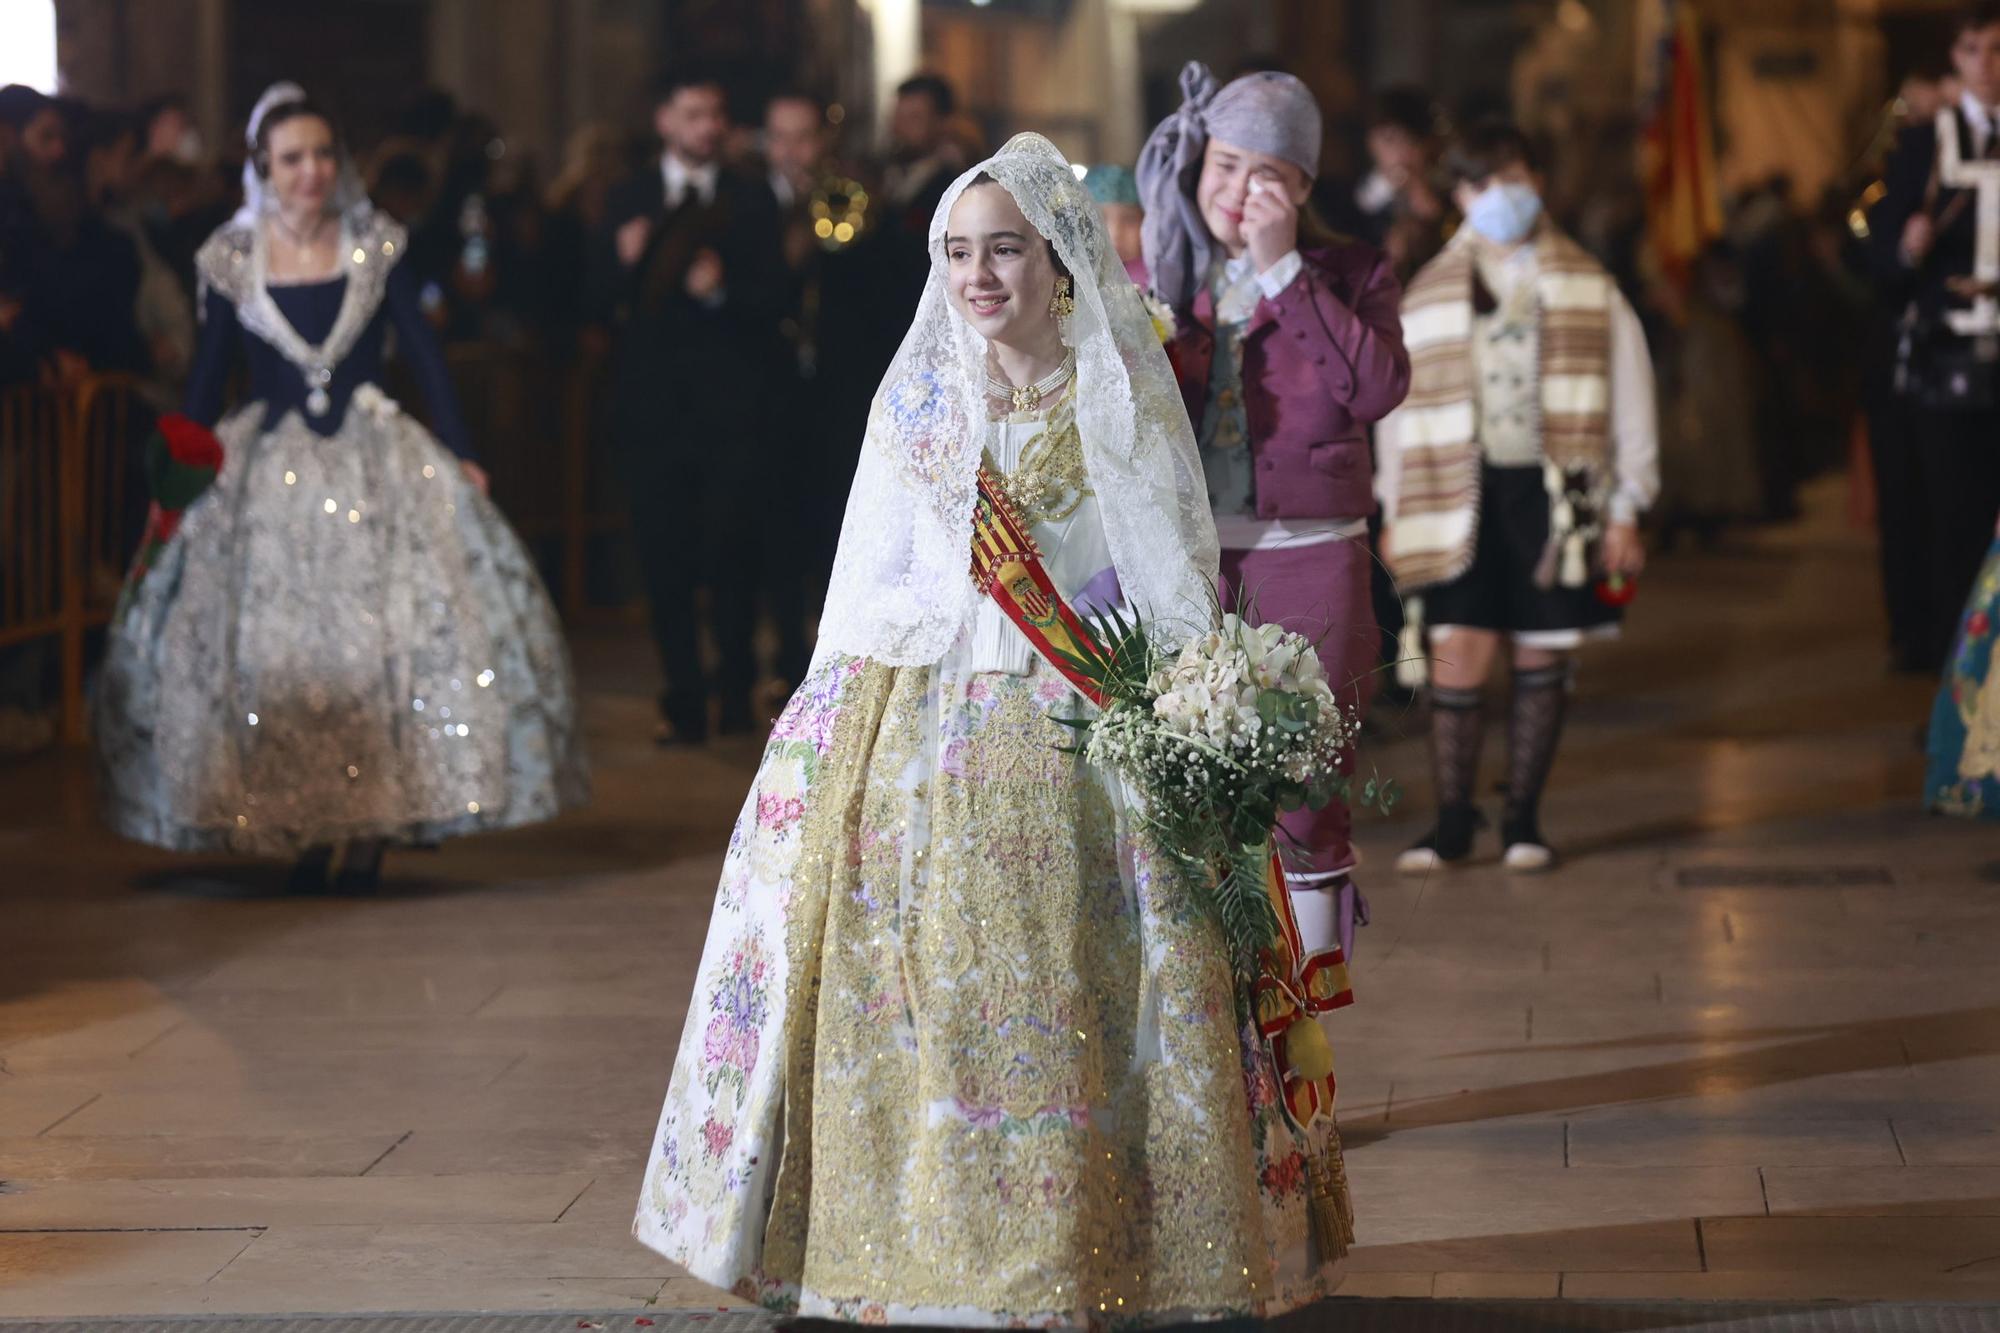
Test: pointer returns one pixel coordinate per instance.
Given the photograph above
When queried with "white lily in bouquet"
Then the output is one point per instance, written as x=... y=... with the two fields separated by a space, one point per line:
x=1220 y=739
x=1165 y=322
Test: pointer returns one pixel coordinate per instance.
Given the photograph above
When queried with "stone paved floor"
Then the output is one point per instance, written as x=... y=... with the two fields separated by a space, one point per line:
x=1746 y=1043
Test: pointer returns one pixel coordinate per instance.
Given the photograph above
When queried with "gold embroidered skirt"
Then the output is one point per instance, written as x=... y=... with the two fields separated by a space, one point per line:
x=961 y=1052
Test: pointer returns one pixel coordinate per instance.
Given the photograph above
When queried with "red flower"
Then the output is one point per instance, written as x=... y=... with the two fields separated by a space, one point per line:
x=190 y=442
x=182 y=460
x=1286 y=1175
x=1617 y=589
x=1979 y=626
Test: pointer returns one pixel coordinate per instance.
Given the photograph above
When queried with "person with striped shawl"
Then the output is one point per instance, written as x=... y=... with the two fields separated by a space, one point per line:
x=1511 y=481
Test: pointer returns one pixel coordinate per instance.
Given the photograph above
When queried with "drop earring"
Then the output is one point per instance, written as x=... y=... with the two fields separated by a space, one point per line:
x=1062 y=305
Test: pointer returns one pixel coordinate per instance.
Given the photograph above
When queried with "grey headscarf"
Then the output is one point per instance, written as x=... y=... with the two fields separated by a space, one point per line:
x=1266 y=112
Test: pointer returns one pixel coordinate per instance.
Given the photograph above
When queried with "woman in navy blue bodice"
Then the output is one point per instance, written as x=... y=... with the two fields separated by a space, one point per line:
x=344 y=645
x=311 y=308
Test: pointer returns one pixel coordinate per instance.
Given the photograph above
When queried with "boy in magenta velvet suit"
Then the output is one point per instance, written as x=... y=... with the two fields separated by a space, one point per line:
x=1289 y=343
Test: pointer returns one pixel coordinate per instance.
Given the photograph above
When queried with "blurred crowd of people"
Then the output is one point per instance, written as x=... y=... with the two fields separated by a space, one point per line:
x=102 y=210
x=100 y=214
x=778 y=265
x=1755 y=343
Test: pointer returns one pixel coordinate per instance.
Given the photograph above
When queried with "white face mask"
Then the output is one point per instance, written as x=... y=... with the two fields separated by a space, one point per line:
x=1505 y=212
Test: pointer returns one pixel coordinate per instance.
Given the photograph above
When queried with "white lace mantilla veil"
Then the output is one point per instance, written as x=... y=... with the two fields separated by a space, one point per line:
x=901 y=588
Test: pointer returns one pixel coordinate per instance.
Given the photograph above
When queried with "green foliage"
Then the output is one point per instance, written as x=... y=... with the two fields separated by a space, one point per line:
x=174 y=485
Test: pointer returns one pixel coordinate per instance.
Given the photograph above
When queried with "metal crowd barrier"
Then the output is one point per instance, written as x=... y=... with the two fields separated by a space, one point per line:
x=67 y=518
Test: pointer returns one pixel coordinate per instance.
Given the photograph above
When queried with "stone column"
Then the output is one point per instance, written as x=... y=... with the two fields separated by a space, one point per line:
x=502 y=58
x=208 y=93
x=1404 y=49
x=120 y=53
x=897 y=30
x=1124 y=96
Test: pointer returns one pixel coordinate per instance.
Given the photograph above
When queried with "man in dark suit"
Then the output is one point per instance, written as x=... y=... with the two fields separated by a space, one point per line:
x=686 y=271
x=923 y=163
x=797 y=548
x=1935 y=238
x=869 y=289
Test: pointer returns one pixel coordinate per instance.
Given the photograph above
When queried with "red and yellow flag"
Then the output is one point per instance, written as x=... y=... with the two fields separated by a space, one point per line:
x=1683 y=203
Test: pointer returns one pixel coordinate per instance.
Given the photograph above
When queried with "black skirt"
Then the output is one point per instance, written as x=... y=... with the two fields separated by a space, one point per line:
x=1499 y=592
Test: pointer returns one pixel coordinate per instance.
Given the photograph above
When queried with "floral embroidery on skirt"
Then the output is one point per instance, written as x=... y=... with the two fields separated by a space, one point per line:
x=960 y=1052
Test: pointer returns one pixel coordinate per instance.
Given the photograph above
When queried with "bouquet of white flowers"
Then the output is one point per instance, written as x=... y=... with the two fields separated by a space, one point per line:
x=1220 y=739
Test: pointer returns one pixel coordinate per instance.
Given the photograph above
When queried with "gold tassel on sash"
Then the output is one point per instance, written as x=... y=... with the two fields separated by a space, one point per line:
x=1330 y=1206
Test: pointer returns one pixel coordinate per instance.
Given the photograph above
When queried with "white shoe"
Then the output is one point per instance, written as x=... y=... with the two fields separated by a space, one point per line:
x=1528 y=857
x=1420 y=861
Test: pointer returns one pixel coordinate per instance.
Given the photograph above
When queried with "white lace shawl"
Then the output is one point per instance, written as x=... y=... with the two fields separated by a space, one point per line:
x=901 y=589
x=233 y=262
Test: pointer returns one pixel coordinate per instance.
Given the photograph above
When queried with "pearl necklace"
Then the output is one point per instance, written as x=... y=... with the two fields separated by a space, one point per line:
x=1028 y=397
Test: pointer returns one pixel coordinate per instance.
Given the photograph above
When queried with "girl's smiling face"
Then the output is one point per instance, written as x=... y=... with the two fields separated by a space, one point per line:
x=1000 y=272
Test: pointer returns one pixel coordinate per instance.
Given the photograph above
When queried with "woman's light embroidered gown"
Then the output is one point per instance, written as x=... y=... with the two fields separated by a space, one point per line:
x=344 y=639
x=1963 y=776
x=961 y=1051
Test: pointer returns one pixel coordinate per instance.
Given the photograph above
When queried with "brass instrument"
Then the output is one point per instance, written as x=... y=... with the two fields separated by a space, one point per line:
x=838 y=209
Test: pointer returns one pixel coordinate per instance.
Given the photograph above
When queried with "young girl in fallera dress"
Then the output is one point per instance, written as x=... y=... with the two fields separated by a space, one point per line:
x=961 y=1050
